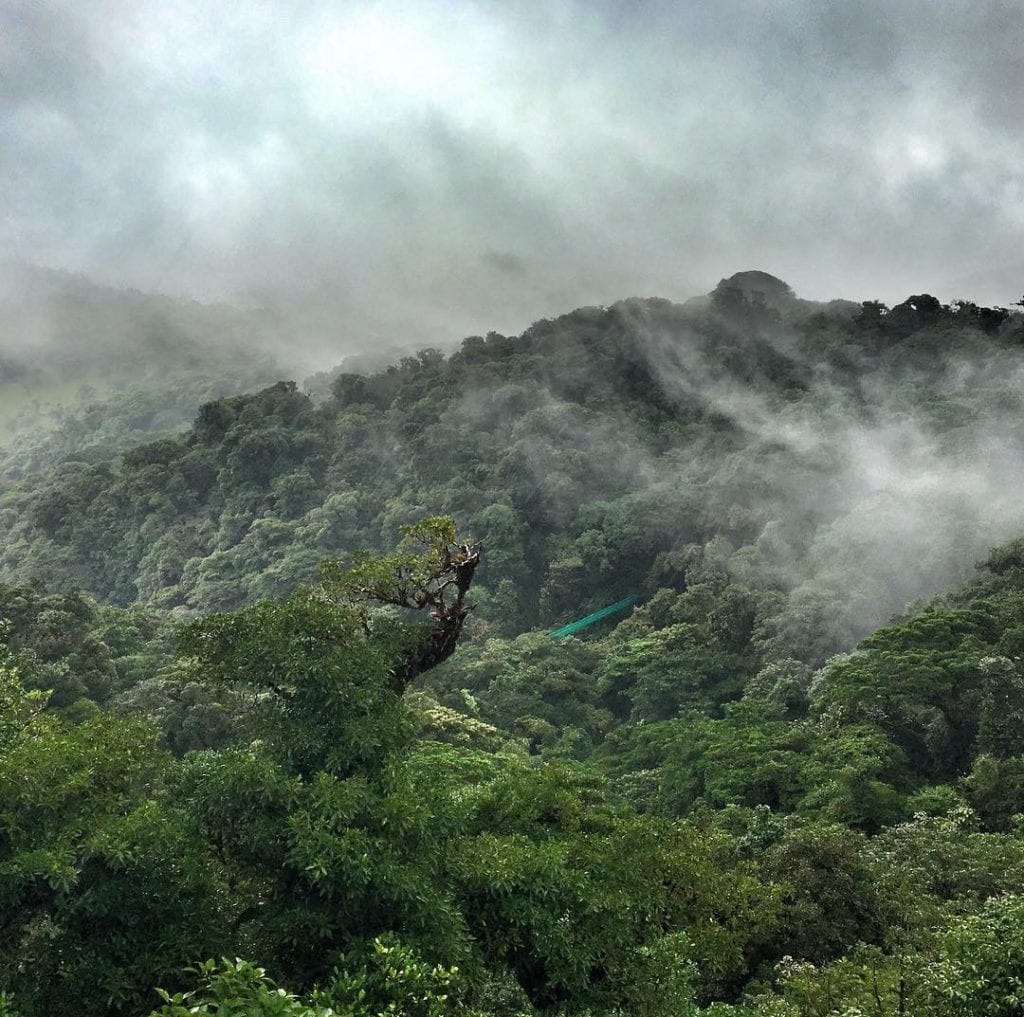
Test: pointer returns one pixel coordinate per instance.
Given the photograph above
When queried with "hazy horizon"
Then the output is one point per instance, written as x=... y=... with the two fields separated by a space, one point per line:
x=410 y=173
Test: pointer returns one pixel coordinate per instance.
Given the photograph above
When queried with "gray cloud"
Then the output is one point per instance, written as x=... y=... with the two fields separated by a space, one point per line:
x=415 y=171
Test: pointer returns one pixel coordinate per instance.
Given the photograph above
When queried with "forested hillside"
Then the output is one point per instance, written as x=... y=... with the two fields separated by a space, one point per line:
x=278 y=737
x=846 y=461
x=91 y=370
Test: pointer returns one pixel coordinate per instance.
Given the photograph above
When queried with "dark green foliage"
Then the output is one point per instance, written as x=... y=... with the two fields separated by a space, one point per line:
x=78 y=649
x=319 y=684
x=549 y=844
x=758 y=790
x=608 y=451
x=832 y=900
x=91 y=866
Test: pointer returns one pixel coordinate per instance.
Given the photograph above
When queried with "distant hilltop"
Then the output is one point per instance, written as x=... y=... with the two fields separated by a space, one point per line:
x=758 y=286
x=753 y=284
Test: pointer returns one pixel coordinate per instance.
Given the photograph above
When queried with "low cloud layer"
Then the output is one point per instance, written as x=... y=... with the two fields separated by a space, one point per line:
x=410 y=172
x=880 y=486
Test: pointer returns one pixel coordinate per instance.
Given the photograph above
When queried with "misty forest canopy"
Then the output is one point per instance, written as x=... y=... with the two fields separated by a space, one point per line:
x=70 y=351
x=599 y=455
x=262 y=699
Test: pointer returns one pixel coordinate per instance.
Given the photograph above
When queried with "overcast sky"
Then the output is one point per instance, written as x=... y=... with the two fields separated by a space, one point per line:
x=411 y=171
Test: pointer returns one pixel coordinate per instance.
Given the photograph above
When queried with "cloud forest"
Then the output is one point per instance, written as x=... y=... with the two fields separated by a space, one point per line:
x=511 y=509
x=288 y=727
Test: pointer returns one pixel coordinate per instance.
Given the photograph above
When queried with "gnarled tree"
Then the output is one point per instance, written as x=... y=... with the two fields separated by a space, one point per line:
x=431 y=568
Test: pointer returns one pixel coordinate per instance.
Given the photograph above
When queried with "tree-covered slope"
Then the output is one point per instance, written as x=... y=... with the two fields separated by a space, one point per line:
x=847 y=462
x=831 y=841
x=91 y=370
x=759 y=794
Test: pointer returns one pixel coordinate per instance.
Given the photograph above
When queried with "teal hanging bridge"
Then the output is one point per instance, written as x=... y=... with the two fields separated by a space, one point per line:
x=619 y=605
